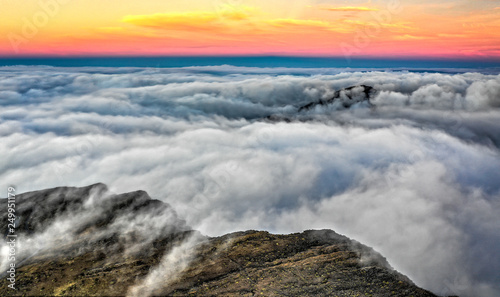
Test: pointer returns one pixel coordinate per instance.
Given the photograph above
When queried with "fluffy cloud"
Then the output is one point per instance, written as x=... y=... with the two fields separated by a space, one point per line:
x=415 y=175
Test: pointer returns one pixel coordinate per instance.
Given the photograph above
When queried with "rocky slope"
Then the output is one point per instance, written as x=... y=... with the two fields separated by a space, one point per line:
x=88 y=242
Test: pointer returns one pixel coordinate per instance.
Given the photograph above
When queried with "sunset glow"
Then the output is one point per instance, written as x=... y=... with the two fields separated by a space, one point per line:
x=460 y=29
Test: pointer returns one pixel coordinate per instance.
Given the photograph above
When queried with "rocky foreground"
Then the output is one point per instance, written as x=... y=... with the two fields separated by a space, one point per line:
x=89 y=242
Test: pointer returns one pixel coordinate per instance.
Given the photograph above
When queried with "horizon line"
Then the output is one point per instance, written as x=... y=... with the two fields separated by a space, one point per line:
x=359 y=57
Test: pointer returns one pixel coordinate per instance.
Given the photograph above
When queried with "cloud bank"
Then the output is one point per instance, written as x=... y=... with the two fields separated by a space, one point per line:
x=415 y=175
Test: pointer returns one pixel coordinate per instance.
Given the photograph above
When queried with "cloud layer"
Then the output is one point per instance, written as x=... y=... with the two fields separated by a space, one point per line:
x=415 y=175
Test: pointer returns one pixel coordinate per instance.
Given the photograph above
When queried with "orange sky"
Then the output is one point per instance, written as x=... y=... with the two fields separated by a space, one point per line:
x=226 y=27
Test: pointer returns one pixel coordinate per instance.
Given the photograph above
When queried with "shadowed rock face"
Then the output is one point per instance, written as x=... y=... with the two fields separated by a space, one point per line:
x=72 y=221
x=341 y=99
x=93 y=260
x=347 y=97
x=36 y=211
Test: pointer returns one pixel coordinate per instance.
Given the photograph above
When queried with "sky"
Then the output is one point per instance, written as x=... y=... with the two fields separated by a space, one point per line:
x=416 y=28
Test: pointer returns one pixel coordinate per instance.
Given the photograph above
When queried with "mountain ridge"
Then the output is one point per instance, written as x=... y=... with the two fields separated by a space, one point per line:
x=109 y=249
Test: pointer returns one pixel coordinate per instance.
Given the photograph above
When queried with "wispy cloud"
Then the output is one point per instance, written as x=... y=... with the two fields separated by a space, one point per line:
x=230 y=22
x=411 y=37
x=194 y=20
x=445 y=35
x=174 y=21
x=347 y=8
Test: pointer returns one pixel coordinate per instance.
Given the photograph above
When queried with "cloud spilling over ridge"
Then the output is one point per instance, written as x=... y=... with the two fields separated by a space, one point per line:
x=415 y=175
x=69 y=221
x=170 y=268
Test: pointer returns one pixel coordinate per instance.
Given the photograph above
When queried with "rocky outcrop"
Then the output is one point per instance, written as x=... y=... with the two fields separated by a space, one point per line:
x=69 y=221
x=107 y=252
x=340 y=100
x=346 y=97
x=312 y=263
x=37 y=210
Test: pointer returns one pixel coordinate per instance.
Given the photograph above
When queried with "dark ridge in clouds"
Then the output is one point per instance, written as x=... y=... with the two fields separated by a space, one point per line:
x=415 y=175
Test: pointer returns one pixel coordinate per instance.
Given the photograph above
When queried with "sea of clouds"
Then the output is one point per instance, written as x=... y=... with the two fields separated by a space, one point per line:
x=415 y=174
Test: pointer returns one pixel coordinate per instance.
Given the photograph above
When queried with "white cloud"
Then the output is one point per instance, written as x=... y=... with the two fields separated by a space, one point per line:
x=415 y=176
x=484 y=94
